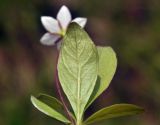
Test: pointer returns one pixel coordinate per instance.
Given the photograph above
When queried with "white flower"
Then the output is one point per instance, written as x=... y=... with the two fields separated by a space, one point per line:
x=57 y=27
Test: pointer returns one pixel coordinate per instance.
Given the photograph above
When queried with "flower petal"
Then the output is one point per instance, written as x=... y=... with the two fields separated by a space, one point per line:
x=81 y=21
x=50 y=24
x=49 y=39
x=64 y=17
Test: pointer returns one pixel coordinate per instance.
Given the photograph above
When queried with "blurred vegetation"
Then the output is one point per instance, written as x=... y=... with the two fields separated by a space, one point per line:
x=131 y=27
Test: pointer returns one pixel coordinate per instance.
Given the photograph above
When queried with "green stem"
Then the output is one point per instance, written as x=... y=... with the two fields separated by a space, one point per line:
x=78 y=122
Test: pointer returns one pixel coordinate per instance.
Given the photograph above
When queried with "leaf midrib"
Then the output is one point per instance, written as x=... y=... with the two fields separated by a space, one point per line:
x=78 y=81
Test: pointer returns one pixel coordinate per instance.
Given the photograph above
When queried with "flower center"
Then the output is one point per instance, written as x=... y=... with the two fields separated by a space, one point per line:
x=63 y=32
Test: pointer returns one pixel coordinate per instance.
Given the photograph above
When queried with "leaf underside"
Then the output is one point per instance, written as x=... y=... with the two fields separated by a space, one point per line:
x=114 y=111
x=50 y=106
x=77 y=67
x=106 y=70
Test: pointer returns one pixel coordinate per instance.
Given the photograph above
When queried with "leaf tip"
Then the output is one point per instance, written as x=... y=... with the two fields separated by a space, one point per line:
x=32 y=98
x=74 y=25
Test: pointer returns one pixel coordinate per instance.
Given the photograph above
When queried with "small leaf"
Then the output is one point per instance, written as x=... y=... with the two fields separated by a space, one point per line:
x=53 y=103
x=77 y=67
x=53 y=110
x=114 y=111
x=106 y=71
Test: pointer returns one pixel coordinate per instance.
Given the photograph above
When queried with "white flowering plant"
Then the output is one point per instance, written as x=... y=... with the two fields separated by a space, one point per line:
x=84 y=71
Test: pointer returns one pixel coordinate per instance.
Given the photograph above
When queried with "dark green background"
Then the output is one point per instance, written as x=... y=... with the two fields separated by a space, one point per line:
x=131 y=27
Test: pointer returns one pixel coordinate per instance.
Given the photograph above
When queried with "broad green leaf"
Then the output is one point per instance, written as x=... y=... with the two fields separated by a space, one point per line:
x=114 y=111
x=106 y=71
x=53 y=110
x=77 y=67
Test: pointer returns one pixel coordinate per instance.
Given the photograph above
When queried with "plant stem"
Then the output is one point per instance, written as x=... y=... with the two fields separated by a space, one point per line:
x=78 y=122
x=61 y=96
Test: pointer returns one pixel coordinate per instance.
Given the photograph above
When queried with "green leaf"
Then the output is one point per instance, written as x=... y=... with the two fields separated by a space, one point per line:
x=114 y=111
x=107 y=68
x=52 y=108
x=77 y=67
x=53 y=103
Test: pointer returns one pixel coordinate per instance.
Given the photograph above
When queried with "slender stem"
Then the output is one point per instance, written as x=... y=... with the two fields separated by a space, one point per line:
x=61 y=96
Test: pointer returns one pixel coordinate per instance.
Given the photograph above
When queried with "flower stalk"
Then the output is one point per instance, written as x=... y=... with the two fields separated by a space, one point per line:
x=61 y=96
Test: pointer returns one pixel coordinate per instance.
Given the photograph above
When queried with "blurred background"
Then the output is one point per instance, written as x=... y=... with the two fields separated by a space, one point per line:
x=130 y=27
